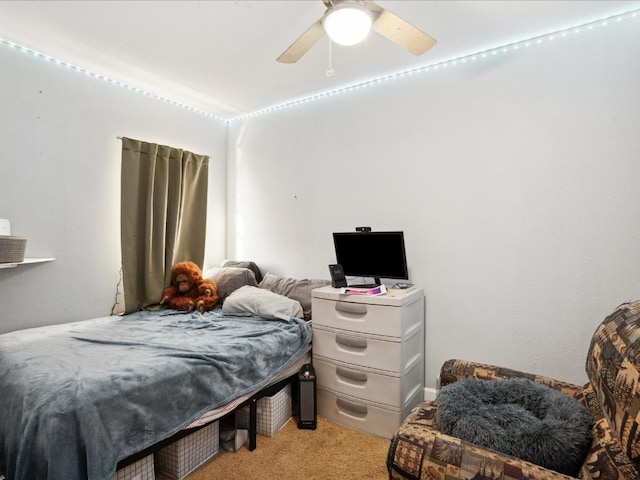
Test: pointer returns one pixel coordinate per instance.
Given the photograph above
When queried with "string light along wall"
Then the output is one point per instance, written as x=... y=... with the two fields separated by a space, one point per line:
x=473 y=57
x=106 y=79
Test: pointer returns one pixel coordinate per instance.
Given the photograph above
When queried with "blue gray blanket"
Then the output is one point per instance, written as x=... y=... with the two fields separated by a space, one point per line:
x=77 y=398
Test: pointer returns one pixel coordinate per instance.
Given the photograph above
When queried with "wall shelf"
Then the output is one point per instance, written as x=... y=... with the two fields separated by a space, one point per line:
x=26 y=261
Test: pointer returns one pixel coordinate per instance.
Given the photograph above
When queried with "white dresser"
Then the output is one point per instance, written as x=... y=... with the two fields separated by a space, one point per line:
x=368 y=355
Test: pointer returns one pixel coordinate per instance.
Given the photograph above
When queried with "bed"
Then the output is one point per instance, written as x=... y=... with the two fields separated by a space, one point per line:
x=81 y=397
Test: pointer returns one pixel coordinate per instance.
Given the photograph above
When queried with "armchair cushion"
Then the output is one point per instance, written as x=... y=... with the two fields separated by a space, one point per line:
x=518 y=417
x=456 y=369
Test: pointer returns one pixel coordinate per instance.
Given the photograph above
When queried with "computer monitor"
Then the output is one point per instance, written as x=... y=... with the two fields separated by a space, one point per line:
x=372 y=254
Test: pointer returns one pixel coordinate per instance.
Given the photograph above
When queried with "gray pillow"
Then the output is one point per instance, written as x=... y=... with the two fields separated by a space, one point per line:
x=261 y=302
x=250 y=265
x=299 y=290
x=229 y=279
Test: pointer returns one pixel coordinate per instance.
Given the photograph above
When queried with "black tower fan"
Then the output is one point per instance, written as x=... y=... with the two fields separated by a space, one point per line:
x=307 y=397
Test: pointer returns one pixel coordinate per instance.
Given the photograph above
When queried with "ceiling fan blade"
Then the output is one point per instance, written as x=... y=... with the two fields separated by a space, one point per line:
x=303 y=44
x=399 y=31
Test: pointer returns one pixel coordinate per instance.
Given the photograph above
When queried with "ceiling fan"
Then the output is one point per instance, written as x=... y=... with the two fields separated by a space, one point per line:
x=372 y=16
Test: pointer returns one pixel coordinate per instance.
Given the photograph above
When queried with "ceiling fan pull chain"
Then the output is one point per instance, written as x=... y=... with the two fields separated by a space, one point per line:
x=330 y=70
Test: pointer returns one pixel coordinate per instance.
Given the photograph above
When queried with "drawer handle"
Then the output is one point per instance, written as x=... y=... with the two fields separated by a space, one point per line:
x=352 y=375
x=360 y=343
x=353 y=308
x=351 y=408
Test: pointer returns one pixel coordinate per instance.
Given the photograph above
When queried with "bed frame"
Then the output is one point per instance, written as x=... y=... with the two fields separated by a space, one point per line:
x=251 y=402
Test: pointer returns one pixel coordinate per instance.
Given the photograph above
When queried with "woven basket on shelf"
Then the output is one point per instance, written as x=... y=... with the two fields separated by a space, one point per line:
x=12 y=248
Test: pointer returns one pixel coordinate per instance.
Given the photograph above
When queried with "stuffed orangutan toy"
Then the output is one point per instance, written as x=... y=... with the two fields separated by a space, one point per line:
x=188 y=290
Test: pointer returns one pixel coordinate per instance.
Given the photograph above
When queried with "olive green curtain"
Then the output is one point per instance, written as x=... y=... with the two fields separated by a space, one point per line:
x=163 y=217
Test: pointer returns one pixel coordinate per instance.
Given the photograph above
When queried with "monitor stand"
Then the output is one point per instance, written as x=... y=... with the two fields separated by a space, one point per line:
x=368 y=285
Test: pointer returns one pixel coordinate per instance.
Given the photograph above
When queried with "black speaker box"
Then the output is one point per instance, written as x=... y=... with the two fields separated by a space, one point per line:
x=307 y=409
x=338 y=279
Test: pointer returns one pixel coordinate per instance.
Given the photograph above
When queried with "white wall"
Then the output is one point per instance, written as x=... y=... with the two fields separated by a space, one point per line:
x=60 y=183
x=515 y=179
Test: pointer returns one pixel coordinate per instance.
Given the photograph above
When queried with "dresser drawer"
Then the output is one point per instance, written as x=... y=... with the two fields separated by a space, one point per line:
x=384 y=320
x=374 y=385
x=368 y=351
x=358 y=414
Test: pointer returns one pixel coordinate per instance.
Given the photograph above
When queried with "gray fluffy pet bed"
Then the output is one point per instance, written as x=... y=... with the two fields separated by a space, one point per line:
x=518 y=417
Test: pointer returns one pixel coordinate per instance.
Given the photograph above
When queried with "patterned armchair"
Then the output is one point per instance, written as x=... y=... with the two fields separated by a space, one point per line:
x=419 y=450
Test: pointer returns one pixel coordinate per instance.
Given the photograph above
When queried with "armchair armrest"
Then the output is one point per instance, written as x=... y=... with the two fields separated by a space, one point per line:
x=455 y=369
x=419 y=450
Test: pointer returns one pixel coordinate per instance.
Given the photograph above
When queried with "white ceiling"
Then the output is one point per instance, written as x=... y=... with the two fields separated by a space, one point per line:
x=220 y=56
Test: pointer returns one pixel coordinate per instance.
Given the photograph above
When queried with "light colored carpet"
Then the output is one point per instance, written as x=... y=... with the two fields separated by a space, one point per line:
x=329 y=452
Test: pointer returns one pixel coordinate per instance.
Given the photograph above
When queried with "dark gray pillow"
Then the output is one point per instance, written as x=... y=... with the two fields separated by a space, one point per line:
x=250 y=265
x=229 y=279
x=299 y=290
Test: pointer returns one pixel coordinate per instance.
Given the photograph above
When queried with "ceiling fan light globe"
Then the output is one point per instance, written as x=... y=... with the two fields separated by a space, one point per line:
x=347 y=23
